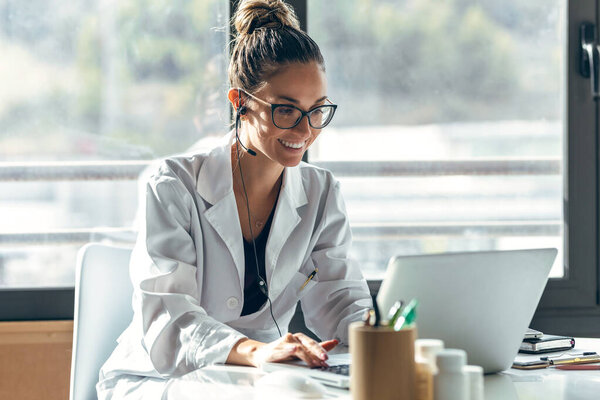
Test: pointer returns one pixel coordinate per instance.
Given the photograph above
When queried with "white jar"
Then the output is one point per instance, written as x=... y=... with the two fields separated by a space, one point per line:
x=426 y=350
x=475 y=378
x=450 y=382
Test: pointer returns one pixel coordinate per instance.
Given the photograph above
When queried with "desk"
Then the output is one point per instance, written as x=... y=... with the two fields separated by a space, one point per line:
x=233 y=383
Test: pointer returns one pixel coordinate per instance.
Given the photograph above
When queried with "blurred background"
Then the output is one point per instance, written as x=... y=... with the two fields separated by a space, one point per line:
x=448 y=136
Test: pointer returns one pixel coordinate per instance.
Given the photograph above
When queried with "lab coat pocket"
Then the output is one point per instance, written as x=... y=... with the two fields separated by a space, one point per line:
x=303 y=283
x=293 y=292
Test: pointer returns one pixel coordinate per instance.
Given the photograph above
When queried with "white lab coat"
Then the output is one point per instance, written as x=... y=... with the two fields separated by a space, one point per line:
x=188 y=266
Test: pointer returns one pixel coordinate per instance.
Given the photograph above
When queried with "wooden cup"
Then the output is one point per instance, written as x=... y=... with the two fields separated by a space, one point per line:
x=383 y=363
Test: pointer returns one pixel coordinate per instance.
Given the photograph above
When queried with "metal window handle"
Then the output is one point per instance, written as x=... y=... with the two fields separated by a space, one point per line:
x=589 y=60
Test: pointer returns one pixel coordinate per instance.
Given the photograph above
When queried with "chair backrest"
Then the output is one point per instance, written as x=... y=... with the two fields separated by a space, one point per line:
x=102 y=312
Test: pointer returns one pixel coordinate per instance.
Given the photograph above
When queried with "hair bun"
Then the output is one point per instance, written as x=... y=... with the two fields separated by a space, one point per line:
x=254 y=14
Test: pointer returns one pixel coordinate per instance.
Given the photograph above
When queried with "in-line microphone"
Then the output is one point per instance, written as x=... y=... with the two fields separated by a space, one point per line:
x=262 y=286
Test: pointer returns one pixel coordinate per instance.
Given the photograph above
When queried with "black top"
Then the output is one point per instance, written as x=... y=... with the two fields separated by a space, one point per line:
x=253 y=297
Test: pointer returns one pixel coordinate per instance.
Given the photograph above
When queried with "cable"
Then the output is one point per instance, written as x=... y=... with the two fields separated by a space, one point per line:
x=262 y=282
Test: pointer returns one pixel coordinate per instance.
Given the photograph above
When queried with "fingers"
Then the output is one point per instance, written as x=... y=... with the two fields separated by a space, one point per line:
x=299 y=346
x=285 y=348
x=308 y=357
x=329 y=345
x=314 y=348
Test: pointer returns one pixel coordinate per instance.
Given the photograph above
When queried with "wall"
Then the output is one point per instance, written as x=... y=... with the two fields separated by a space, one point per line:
x=35 y=359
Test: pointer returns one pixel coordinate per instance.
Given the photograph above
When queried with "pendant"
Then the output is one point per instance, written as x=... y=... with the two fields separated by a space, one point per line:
x=259 y=224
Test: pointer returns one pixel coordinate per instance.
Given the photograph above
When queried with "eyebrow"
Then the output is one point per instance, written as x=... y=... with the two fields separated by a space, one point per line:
x=292 y=100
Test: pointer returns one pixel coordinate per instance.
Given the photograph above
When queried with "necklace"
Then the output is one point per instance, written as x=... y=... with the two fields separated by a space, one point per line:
x=258 y=222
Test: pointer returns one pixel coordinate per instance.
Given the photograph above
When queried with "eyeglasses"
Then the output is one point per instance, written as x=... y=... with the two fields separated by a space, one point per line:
x=287 y=116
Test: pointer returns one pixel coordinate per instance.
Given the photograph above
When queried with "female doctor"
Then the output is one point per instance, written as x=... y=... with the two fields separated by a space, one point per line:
x=233 y=238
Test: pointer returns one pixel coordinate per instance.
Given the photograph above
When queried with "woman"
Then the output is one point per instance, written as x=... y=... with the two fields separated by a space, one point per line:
x=235 y=237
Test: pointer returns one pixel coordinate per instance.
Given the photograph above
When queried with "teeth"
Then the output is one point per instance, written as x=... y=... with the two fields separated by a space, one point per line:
x=292 y=145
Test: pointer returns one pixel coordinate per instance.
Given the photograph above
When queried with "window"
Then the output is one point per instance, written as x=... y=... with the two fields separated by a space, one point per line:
x=462 y=125
x=92 y=90
x=458 y=106
x=456 y=130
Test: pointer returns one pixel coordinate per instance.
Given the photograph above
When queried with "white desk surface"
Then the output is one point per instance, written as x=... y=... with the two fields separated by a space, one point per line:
x=232 y=383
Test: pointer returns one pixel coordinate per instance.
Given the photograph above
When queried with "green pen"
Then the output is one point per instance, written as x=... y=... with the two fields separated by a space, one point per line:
x=408 y=315
x=394 y=312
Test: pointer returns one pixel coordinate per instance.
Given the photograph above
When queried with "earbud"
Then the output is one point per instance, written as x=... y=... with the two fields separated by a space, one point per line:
x=241 y=108
x=242 y=111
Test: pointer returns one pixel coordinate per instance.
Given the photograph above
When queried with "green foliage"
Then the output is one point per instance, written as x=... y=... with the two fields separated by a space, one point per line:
x=153 y=73
x=417 y=61
x=167 y=59
x=88 y=64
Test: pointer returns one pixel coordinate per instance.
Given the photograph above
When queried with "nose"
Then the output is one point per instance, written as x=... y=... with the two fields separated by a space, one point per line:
x=303 y=126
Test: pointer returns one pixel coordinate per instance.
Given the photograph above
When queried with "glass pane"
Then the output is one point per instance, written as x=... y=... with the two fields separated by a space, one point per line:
x=21 y=266
x=91 y=82
x=475 y=85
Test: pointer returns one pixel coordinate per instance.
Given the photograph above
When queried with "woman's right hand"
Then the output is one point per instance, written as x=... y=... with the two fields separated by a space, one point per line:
x=288 y=347
x=296 y=345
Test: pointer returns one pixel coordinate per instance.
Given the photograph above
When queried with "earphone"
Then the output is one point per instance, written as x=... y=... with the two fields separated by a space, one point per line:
x=262 y=283
x=241 y=110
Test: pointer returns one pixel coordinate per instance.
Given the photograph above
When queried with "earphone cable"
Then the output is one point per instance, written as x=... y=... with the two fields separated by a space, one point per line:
x=237 y=150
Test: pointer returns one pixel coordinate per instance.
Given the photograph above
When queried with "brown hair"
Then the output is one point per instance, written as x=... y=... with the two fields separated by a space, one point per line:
x=268 y=38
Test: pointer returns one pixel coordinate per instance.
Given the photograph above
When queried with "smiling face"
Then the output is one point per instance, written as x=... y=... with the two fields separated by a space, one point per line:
x=298 y=84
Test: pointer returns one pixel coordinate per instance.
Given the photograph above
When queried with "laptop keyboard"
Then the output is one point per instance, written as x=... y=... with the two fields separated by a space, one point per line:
x=341 y=369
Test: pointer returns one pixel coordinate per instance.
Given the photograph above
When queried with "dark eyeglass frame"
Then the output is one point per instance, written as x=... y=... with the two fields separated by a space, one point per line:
x=303 y=113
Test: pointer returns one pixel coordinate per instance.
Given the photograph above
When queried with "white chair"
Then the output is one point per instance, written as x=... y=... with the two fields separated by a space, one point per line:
x=102 y=312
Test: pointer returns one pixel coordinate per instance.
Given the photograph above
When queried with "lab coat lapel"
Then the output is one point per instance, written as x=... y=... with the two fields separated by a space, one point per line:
x=215 y=185
x=291 y=197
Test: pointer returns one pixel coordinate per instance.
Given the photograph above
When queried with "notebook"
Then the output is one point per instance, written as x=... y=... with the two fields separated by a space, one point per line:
x=547 y=343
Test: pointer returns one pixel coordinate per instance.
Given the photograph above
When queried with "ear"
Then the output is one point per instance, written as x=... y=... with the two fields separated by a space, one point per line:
x=234 y=98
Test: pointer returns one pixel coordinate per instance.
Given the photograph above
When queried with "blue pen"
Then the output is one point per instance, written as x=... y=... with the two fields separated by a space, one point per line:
x=376 y=309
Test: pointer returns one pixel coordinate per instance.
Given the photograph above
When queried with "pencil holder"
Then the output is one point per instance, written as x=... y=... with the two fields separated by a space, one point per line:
x=383 y=363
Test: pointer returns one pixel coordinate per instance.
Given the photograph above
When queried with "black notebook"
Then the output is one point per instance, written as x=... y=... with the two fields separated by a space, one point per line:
x=546 y=344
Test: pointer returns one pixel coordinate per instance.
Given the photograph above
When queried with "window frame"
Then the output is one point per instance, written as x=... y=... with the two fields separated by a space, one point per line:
x=569 y=305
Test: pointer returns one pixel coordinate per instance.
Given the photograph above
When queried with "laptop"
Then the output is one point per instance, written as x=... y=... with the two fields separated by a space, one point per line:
x=337 y=375
x=481 y=302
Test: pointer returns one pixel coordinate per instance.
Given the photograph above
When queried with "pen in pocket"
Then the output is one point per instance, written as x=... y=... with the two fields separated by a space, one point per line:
x=312 y=275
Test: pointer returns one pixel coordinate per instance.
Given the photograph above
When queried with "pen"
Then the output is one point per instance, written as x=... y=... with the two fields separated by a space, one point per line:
x=578 y=367
x=576 y=360
x=371 y=317
x=394 y=312
x=312 y=275
x=376 y=309
x=408 y=315
x=561 y=356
